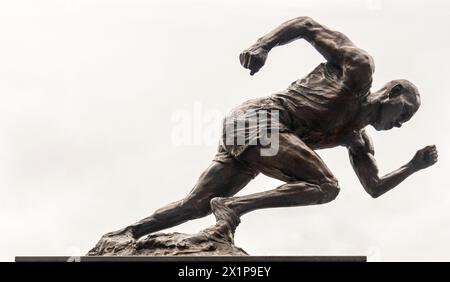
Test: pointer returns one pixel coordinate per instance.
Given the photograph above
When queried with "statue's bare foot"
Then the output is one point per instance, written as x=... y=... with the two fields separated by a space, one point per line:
x=226 y=218
x=113 y=243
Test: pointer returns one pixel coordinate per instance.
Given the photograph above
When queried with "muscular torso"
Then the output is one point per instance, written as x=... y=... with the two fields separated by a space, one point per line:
x=322 y=109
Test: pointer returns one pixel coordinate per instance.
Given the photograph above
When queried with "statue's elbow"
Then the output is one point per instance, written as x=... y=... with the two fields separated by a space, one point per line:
x=303 y=18
x=302 y=22
x=375 y=195
x=373 y=191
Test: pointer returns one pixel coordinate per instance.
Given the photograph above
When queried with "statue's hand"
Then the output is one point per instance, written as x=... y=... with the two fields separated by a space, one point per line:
x=425 y=157
x=253 y=58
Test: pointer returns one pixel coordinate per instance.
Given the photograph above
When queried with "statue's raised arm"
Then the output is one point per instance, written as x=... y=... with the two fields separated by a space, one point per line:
x=356 y=64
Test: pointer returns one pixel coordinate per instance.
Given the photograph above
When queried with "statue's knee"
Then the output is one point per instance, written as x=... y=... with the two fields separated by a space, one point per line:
x=330 y=191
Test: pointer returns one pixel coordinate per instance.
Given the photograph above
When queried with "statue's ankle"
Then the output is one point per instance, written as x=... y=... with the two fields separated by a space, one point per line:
x=132 y=231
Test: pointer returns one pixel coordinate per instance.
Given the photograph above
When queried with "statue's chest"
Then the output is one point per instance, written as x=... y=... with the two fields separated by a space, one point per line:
x=330 y=134
x=322 y=140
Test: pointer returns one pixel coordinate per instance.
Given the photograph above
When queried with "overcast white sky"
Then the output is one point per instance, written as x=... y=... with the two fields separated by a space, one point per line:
x=89 y=89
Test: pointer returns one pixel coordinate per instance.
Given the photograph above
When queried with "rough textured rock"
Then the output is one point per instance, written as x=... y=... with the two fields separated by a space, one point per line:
x=204 y=243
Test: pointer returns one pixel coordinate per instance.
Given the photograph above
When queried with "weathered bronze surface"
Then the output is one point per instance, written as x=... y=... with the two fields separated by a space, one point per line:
x=329 y=107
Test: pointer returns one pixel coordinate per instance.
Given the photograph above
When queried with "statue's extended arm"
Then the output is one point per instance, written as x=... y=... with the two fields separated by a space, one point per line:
x=337 y=49
x=363 y=162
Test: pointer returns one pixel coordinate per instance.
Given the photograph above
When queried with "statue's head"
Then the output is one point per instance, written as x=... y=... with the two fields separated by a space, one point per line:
x=398 y=101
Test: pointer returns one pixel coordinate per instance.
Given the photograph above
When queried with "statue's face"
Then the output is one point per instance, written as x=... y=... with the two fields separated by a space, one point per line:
x=400 y=105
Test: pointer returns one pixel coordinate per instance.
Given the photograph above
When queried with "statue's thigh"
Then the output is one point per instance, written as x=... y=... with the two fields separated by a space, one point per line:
x=293 y=162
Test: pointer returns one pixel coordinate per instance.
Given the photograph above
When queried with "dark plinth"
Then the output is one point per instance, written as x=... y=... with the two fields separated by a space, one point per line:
x=191 y=259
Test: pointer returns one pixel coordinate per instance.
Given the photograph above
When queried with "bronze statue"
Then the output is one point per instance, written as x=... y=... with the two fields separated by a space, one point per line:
x=329 y=107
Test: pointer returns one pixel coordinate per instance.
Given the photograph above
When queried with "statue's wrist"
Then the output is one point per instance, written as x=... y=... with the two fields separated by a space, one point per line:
x=264 y=44
x=412 y=166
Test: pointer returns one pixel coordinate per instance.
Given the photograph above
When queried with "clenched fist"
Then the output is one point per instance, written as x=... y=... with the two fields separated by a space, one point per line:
x=425 y=157
x=253 y=58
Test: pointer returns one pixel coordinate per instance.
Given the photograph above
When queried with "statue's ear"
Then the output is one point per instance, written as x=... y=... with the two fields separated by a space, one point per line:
x=395 y=91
